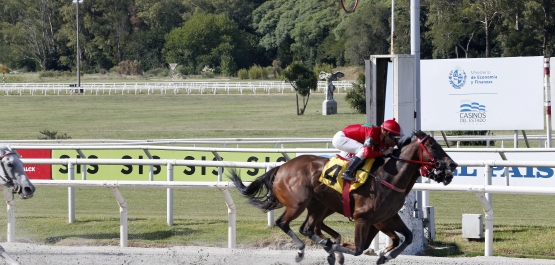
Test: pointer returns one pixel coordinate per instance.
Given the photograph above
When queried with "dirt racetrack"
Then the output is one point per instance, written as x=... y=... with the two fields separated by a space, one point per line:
x=27 y=254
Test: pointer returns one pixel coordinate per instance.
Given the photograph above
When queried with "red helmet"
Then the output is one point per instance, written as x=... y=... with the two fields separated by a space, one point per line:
x=392 y=127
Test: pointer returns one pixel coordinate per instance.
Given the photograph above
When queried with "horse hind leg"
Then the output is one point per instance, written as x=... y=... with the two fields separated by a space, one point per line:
x=283 y=223
x=313 y=226
x=337 y=237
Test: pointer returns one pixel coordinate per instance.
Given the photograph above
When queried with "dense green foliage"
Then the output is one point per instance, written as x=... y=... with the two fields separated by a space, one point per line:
x=356 y=97
x=228 y=35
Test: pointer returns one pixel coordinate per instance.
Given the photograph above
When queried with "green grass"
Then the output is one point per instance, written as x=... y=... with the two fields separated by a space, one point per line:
x=171 y=117
x=523 y=223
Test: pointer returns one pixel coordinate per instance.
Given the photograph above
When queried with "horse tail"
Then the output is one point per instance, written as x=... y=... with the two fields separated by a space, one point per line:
x=260 y=192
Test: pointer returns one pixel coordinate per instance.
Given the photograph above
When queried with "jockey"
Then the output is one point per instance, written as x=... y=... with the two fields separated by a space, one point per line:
x=378 y=141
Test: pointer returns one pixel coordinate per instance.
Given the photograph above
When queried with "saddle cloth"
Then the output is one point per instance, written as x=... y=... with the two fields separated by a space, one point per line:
x=331 y=175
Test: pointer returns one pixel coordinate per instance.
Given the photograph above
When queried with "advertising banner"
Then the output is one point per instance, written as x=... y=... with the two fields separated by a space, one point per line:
x=518 y=176
x=38 y=171
x=141 y=172
x=482 y=94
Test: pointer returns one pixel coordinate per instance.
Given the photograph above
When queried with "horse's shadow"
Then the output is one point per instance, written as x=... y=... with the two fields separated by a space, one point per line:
x=180 y=228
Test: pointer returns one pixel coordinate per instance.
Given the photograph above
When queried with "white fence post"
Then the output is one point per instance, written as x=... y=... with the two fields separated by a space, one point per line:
x=169 y=195
x=71 y=194
x=8 y=196
x=123 y=219
x=231 y=219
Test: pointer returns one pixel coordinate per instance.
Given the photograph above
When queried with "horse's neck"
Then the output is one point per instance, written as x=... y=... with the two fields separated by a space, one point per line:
x=407 y=172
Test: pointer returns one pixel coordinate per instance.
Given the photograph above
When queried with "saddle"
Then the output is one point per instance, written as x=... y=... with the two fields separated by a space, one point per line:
x=331 y=175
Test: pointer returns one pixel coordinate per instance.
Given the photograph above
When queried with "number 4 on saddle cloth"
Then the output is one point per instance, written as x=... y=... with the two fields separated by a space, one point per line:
x=331 y=175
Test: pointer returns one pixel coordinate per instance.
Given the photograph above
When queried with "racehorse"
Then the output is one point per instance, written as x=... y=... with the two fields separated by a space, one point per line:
x=12 y=174
x=374 y=205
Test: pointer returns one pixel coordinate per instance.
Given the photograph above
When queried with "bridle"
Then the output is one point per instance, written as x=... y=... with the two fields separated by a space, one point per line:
x=427 y=168
x=16 y=188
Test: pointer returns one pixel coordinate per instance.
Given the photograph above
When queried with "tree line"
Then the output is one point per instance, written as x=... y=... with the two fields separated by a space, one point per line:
x=229 y=35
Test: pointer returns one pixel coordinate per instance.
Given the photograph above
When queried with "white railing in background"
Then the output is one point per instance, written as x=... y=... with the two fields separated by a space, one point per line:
x=483 y=192
x=251 y=87
x=275 y=142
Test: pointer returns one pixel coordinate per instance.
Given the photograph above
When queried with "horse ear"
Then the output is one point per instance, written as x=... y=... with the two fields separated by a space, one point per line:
x=419 y=134
x=405 y=140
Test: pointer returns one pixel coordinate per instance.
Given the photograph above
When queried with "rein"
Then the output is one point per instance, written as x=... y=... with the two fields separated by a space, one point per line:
x=387 y=184
x=426 y=167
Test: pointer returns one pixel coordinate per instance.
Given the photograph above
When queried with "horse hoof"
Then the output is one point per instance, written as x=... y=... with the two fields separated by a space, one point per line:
x=331 y=259
x=340 y=258
x=370 y=252
x=299 y=257
x=381 y=260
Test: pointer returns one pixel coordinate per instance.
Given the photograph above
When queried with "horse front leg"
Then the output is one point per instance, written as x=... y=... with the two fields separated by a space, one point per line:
x=388 y=231
x=395 y=223
x=362 y=227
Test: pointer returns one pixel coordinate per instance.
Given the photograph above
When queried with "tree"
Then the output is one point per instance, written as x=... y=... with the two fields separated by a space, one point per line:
x=356 y=97
x=302 y=79
x=297 y=28
x=366 y=32
x=30 y=31
x=205 y=38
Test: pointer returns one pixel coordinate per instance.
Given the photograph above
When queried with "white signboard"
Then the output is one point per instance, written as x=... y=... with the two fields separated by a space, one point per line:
x=518 y=176
x=482 y=94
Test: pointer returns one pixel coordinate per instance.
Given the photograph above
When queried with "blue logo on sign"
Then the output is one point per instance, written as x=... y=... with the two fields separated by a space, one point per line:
x=472 y=112
x=472 y=107
x=457 y=78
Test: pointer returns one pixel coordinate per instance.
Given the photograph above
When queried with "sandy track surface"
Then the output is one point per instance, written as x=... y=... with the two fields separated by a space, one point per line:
x=27 y=254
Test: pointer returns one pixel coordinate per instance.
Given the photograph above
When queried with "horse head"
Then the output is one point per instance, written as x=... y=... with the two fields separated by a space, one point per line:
x=435 y=163
x=12 y=173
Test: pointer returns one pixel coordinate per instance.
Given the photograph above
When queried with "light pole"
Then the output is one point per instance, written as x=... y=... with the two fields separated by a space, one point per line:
x=77 y=3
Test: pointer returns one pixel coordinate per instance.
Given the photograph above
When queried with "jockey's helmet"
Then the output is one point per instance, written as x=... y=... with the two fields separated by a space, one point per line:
x=392 y=127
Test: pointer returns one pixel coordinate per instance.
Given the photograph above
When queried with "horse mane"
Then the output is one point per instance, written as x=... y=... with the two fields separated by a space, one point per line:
x=4 y=149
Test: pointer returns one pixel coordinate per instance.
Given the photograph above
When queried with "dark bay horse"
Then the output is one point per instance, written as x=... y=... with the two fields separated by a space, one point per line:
x=12 y=175
x=374 y=205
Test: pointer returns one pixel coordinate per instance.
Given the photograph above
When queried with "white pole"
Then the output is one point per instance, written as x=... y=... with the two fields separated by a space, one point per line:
x=169 y=201
x=392 y=26
x=123 y=222
x=547 y=100
x=8 y=196
x=77 y=2
x=415 y=50
x=71 y=194
x=231 y=219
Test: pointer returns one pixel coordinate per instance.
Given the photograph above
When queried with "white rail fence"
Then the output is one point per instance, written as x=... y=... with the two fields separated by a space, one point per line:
x=253 y=87
x=540 y=141
x=483 y=192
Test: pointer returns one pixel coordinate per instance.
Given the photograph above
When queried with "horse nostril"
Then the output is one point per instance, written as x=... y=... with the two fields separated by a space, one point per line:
x=29 y=190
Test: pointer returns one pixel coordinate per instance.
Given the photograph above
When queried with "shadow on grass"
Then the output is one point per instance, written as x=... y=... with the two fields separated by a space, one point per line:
x=442 y=249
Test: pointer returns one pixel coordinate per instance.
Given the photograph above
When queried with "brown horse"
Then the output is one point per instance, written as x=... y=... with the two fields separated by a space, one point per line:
x=374 y=205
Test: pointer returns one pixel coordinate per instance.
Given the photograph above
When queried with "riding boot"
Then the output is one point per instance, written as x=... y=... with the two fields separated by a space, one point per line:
x=349 y=173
